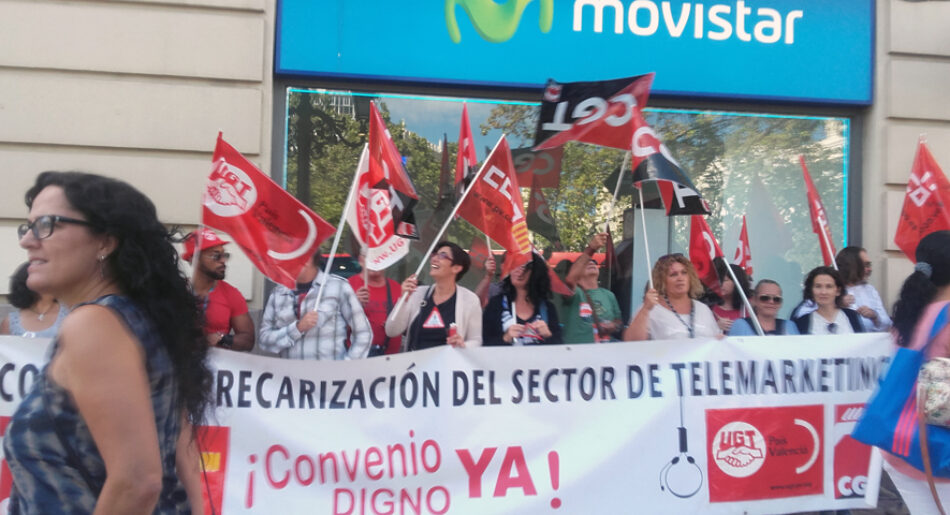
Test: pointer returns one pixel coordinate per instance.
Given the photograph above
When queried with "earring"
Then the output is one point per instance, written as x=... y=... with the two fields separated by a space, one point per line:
x=102 y=261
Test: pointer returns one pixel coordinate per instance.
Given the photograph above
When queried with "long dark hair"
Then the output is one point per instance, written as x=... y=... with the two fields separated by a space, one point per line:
x=145 y=267
x=539 y=282
x=740 y=276
x=807 y=294
x=21 y=296
x=850 y=265
x=918 y=289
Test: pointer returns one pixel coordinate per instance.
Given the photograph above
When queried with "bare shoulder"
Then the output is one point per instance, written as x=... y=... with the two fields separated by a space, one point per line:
x=92 y=329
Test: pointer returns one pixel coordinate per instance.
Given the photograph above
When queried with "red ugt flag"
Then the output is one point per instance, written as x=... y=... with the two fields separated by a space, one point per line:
x=275 y=230
x=743 y=256
x=371 y=219
x=494 y=206
x=703 y=249
x=926 y=204
x=819 y=218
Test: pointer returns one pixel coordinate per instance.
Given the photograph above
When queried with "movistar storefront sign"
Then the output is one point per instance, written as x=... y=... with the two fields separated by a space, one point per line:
x=790 y=50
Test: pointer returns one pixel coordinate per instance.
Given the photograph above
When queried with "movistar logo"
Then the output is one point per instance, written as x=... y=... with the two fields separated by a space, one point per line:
x=495 y=22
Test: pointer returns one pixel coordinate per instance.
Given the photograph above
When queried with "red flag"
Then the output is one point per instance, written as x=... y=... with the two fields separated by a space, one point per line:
x=610 y=124
x=926 y=203
x=538 y=168
x=819 y=218
x=702 y=250
x=495 y=207
x=371 y=219
x=276 y=231
x=386 y=172
x=743 y=256
x=540 y=220
x=466 y=158
x=478 y=251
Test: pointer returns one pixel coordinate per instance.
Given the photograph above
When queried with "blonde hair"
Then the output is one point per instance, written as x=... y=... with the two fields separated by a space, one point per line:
x=662 y=268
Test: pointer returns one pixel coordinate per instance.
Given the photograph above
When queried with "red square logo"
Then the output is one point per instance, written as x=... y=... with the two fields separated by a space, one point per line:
x=851 y=456
x=764 y=453
x=213 y=443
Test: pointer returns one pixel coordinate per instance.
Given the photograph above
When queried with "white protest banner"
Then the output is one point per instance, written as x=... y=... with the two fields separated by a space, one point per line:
x=750 y=425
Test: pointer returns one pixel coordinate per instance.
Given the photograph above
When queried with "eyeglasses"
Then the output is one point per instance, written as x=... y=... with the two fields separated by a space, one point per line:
x=220 y=256
x=43 y=226
x=833 y=328
x=444 y=255
x=771 y=298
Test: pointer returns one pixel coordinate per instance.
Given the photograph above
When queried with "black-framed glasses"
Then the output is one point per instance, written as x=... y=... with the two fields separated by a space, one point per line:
x=444 y=255
x=220 y=256
x=771 y=298
x=833 y=328
x=43 y=226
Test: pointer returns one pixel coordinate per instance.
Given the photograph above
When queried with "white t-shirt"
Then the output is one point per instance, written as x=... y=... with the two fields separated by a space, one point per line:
x=666 y=325
x=821 y=326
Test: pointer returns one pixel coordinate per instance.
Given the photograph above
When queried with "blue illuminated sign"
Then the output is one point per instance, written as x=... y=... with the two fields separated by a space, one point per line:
x=787 y=50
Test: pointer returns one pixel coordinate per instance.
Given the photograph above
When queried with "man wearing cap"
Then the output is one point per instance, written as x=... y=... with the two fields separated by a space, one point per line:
x=227 y=323
x=292 y=328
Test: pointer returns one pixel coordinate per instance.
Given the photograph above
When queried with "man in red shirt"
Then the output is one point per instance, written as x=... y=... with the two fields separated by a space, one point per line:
x=227 y=322
x=378 y=299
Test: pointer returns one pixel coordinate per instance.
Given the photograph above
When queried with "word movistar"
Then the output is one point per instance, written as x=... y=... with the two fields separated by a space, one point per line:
x=718 y=22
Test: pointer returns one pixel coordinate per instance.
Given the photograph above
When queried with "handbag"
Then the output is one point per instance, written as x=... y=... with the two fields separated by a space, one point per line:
x=891 y=418
x=933 y=387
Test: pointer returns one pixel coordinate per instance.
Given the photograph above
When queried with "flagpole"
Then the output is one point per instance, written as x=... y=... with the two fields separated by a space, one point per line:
x=336 y=238
x=745 y=300
x=827 y=244
x=610 y=210
x=646 y=243
x=445 y=226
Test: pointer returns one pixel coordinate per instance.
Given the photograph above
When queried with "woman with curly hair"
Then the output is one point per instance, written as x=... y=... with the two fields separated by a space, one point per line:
x=107 y=424
x=522 y=313
x=671 y=311
x=825 y=288
x=923 y=295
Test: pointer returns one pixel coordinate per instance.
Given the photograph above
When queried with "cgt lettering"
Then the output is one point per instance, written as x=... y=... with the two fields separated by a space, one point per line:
x=852 y=487
x=725 y=21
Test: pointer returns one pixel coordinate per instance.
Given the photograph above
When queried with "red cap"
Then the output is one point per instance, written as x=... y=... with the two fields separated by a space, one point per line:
x=208 y=239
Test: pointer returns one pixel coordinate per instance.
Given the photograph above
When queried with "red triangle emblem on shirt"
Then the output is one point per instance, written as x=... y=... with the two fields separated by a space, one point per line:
x=434 y=321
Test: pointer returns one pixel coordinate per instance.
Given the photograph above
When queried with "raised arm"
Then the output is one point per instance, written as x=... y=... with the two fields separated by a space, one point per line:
x=577 y=269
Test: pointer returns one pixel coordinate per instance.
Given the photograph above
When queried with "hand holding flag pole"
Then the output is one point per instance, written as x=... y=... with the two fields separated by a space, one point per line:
x=445 y=225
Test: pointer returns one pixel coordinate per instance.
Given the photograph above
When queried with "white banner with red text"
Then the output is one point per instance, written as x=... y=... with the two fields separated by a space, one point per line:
x=753 y=425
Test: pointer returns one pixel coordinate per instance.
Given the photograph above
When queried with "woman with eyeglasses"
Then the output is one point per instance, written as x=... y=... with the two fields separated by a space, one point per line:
x=855 y=268
x=442 y=314
x=34 y=316
x=766 y=300
x=522 y=313
x=924 y=294
x=671 y=311
x=107 y=424
x=824 y=287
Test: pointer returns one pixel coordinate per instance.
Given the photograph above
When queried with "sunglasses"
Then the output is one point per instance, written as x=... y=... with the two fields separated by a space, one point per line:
x=771 y=298
x=444 y=255
x=220 y=256
x=833 y=328
x=43 y=226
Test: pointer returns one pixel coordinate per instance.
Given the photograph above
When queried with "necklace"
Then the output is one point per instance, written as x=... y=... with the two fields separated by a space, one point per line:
x=41 y=316
x=692 y=316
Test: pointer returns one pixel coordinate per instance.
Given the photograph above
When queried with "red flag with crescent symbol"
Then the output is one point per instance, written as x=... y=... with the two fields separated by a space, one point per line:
x=371 y=219
x=819 y=218
x=743 y=256
x=926 y=205
x=703 y=249
x=275 y=230
x=495 y=207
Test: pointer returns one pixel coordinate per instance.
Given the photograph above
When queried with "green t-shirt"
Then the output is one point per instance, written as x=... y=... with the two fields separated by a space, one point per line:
x=578 y=319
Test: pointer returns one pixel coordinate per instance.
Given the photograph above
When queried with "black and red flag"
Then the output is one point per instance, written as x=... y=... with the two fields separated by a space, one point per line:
x=386 y=172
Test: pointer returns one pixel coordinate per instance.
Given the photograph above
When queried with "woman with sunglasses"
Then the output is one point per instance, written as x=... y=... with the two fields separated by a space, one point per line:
x=671 y=311
x=107 y=424
x=442 y=314
x=766 y=300
x=855 y=268
x=522 y=314
x=824 y=287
